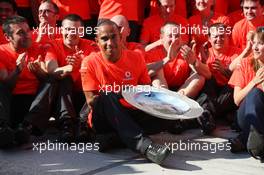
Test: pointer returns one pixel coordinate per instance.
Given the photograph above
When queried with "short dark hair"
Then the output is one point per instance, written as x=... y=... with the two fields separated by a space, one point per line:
x=12 y=3
x=56 y=8
x=106 y=22
x=73 y=17
x=12 y=20
x=261 y=2
x=216 y=25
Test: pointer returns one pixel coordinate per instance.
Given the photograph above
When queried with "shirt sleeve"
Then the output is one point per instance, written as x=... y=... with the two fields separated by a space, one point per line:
x=88 y=76
x=237 y=78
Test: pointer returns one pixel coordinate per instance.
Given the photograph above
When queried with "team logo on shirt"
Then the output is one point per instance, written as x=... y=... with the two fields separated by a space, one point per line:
x=128 y=76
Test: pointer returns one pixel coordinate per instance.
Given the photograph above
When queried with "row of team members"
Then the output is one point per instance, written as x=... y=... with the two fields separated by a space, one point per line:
x=55 y=66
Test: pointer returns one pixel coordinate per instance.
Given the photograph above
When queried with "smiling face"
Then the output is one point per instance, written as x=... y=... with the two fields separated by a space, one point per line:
x=71 y=32
x=252 y=9
x=218 y=38
x=258 y=47
x=109 y=41
x=47 y=14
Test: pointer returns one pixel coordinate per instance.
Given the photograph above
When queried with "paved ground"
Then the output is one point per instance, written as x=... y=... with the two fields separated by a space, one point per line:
x=26 y=161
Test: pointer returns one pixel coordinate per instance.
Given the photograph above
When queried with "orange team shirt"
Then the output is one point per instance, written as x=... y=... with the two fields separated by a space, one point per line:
x=225 y=60
x=240 y=30
x=151 y=28
x=235 y=17
x=129 y=9
x=27 y=82
x=98 y=73
x=2 y=37
x=180 y=8
x=176 y=71
x=243 y=74
x=59 y=52
x=201 y=35
x=80 y=7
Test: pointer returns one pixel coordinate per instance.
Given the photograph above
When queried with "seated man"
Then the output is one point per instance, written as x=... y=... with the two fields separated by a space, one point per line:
x=217 y=96
x=176 y=70
x=114 y=66
x=48 y=14
x=63 y=62
x=22 y=79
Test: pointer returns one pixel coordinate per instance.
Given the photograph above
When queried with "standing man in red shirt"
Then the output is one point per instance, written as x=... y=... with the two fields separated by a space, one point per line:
x=253 y=18
x=151 y=26
x=114 y=66
x=132 y=10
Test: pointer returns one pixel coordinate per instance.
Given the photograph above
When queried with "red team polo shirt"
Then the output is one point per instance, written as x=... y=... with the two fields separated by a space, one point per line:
x=240 y=30
x=243 y=74
x=130 y=69
x=225 y=60
x=27 y=82
x=176 y=71
x=98 y=73
x=151 y=28
x=110 y=8
x=59 y=52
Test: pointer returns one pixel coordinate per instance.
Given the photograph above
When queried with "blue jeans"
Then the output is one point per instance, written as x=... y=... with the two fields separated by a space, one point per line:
x=251 y=112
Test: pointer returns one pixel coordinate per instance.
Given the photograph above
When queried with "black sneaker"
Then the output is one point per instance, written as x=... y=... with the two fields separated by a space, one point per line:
x=206 y=122
x=23 y=132
x=255 y=144
x=7 y=135
x=157 y=153
x=66 y=132
x=84 y=133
